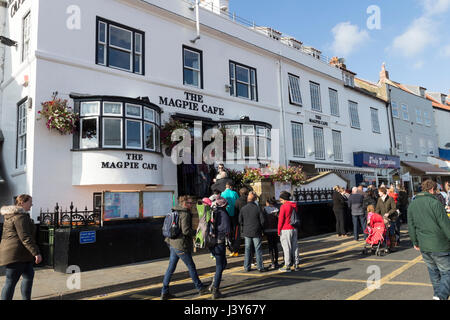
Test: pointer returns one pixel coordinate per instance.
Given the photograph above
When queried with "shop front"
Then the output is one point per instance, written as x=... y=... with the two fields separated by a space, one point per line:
x=385 y=168
x=421 y=171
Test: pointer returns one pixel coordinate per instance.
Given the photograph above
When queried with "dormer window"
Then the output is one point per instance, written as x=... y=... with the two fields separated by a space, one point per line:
x=349 y=80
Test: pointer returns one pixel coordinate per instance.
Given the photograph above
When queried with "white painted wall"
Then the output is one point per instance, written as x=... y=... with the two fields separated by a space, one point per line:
x=442 y=119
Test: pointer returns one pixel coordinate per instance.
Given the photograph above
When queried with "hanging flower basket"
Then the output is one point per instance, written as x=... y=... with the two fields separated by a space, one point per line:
x=58 y=116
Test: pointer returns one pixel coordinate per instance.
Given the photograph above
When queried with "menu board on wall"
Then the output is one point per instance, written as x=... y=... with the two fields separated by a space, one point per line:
x=121 y=205
x=157 y=203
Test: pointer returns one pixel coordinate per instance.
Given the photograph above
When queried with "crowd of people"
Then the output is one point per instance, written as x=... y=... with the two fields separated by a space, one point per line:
x=241 y=215
x=351 y=210
x=237 y=215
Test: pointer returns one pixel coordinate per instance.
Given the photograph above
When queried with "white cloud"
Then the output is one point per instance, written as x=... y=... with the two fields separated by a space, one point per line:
x=420 y=34
x=418 y=65
x=435 y=7
x=423 y=32
x=347 y=38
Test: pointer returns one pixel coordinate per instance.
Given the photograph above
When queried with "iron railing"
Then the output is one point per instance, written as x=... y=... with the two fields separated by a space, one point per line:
x=317 y=195
x=70 y=218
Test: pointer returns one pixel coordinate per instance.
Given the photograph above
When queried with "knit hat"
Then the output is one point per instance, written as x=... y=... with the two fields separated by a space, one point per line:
x=207 y=201
x=221 y=202
x=285 y=195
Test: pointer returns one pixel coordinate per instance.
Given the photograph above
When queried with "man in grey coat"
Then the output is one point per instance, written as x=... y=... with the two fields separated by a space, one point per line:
x=355 y=203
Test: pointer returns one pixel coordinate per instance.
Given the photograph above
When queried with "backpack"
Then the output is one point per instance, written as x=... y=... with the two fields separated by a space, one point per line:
x=295 y=219
x=204 y=214
x=171 y=227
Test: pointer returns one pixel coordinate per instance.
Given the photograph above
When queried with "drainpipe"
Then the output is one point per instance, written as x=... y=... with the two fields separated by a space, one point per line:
x=197 y=18
x=282 y=116
x=390 y=117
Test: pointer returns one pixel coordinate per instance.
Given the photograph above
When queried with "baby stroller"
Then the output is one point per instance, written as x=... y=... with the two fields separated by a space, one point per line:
x=377 y=241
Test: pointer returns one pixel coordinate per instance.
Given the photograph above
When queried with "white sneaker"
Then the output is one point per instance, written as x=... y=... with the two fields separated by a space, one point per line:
x=436 y=298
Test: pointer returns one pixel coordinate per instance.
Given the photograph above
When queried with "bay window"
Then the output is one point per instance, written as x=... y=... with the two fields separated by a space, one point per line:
x=117 y=123
x=250 y=141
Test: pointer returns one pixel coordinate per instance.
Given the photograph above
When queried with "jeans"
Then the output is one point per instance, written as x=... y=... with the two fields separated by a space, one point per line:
x=248 y=253
x=13 y=273
x=362 y=222
x=219 y=252
x=186 y=257
x=438 y=264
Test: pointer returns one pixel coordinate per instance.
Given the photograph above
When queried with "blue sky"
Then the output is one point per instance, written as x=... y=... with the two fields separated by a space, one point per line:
x=413 y=39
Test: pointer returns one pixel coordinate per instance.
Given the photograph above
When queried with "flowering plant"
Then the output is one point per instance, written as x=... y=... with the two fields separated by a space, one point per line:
x=59 y=116
x=293 y=175
x=168 y=129
x=252 y=175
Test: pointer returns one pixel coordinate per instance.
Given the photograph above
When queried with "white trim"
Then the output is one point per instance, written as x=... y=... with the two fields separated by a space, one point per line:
x=113 y=114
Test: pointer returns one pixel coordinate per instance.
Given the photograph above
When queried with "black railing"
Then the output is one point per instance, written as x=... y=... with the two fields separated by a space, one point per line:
x=70 y=218
x=313 y=195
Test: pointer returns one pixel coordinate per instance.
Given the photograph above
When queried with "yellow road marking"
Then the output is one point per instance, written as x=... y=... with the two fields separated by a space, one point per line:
x=366 y=291
x=347 y=246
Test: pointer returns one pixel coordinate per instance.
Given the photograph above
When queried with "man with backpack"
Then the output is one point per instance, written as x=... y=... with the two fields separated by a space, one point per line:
x=181 y=246
x=288 y=233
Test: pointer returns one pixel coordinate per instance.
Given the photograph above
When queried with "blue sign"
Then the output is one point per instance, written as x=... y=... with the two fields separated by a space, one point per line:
x=375 y=160
x=87 y=237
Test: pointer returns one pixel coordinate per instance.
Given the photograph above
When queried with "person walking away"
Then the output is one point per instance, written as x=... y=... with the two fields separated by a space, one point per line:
x=387 y=209
x=252 y=221
x=429 y=230
x=338 y=209
x=181 y=248
x=270 y=230
x=355 y=203
x=403 y=204
x=287 y=233
x=222 y=227
x=231 y=197
x=369 y=199
x=18 y=248
x=238 y=205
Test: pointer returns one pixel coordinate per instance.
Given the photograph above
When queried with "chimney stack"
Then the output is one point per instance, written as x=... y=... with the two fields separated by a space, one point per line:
x=384 y=74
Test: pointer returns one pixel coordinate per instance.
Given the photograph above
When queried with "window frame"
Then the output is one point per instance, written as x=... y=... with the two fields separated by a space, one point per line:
x=337 y=149
x=301 y=143
x=319 y=143
x=200 y=63
x=319 y=98
x=396 y=108
x=419 y=118
x=252 y=87
x=21 y=134
x=330 y=90
x=100 y=118
x=352 y=125
x=107 y=45
x=294 y=93
x=376 y=120
x=26 y=53
x=403 y=112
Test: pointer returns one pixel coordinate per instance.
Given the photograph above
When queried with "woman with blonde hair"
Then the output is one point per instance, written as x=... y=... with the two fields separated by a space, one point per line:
x=18 y=248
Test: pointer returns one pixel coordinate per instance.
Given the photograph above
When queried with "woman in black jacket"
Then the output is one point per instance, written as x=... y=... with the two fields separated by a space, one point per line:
x=339 y=211
x=222 y=232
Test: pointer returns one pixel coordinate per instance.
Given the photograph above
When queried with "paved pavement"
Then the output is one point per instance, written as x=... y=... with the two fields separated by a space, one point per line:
x=331 y=269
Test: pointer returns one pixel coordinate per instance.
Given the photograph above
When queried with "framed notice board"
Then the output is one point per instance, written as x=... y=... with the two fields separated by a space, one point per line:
x=156 y=204
x=121 y=205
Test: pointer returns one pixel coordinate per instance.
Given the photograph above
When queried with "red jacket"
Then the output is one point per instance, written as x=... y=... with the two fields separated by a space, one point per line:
x=284 y=218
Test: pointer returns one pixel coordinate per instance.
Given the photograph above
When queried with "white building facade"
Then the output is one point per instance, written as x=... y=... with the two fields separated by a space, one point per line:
x=131 y=68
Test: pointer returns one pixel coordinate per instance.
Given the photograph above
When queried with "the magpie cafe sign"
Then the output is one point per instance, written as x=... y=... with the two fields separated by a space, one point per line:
x=14 y=6
x=134 y=161
x=191 y=102
x=318 y=120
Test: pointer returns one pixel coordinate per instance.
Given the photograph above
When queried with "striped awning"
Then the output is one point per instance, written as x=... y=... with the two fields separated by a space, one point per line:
x=345 y=169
